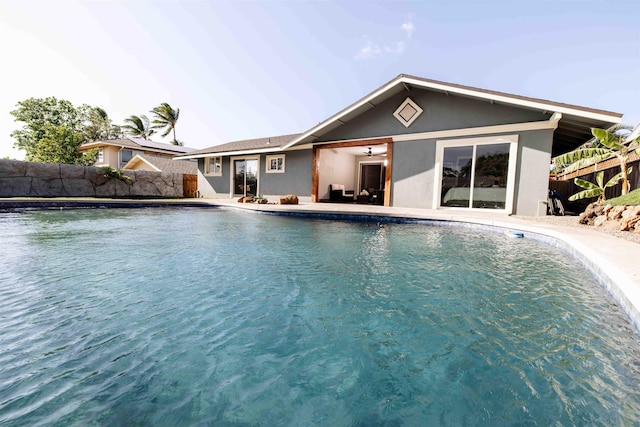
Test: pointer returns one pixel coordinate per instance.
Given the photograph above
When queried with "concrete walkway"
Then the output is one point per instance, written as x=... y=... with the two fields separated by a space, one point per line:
x=615 y=261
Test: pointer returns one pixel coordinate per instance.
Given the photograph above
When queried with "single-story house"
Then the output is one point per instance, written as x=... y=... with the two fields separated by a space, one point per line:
x=116 y=153
x=414 y=143
x=147 y=162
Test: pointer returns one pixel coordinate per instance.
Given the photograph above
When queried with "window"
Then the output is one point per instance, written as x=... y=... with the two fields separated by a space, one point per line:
x=100 y=157
x=126 y=155
x=213 y=166
x=275 y=164
x=477 y=173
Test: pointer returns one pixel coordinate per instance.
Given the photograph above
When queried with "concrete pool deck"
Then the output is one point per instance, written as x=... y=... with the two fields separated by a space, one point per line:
x=615 y=261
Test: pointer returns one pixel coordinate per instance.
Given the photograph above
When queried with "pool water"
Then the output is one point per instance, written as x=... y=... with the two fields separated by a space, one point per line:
x=212 y=317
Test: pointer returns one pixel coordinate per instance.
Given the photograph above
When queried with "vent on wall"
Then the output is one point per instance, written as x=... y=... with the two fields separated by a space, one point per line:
x=407 y=112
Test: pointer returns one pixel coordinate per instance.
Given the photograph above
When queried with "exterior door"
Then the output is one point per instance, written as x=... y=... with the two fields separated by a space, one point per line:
x=245 y=182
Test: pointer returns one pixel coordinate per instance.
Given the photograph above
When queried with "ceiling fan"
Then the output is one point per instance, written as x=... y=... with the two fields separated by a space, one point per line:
x=370 y=153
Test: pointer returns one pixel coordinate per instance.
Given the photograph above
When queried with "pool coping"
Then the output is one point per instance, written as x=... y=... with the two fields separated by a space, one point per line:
x=620 y=277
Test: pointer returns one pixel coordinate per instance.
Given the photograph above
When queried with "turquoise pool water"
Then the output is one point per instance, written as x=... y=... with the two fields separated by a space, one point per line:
x=208 y=317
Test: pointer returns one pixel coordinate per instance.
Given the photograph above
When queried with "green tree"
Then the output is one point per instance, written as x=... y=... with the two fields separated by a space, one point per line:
x=98 y=125
x=52 y=131
x=59 y=144
x=606 y=145
x=166 y=118
x=138 y=126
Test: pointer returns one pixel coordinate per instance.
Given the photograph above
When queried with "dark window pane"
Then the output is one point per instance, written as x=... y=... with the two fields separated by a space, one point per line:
x=456 y=176
x=490 y=178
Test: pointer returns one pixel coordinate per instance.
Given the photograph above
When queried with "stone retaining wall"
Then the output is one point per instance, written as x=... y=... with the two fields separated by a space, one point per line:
x=30 y=179
x=623 y=218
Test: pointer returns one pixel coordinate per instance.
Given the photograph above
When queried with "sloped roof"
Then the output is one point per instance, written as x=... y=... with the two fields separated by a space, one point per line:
x=164 y=164
x=139 y=144
x=273 y=143
x=573 y=129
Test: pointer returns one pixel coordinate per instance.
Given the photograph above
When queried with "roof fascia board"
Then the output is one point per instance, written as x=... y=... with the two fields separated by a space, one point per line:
x=137 y=159
x=229 y=153
x=515 y=101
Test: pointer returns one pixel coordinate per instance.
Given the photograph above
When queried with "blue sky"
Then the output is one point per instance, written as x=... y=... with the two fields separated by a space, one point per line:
x=245 y=69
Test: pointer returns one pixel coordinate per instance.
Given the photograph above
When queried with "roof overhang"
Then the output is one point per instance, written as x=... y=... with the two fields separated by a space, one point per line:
x=573 y=130
x=229 y=153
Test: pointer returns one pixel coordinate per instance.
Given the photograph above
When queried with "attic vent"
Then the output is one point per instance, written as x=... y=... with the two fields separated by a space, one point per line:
x=407 y=112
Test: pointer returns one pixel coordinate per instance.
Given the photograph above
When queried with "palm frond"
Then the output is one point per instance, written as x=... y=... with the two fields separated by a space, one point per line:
x=586 y=194
x=607 y=139
x=614 y=180
x=586 y=184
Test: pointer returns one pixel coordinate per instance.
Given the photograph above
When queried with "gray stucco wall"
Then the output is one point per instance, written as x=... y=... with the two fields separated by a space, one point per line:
x=414 y=175
x=296 y=179
x=532 y=178
x=214 y=186
x=441 y=112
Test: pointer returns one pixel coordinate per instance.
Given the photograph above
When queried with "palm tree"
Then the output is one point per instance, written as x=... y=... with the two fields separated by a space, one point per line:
x=166 y=117
x=138 y=126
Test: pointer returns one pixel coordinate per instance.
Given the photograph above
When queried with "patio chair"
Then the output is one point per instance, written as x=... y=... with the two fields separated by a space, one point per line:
x=337 y=193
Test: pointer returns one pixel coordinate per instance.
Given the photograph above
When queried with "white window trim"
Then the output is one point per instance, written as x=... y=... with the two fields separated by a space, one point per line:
x=511 y=173
x=100 y=157
x=268 y=163
x=233 y=172
x=207 y=162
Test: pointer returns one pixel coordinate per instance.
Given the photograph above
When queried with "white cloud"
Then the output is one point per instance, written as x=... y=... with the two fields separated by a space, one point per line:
x=373 y=50
x=408 y=27
x=369 y=51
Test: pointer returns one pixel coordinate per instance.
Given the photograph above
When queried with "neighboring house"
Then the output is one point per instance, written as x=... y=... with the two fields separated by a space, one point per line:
x=414 y=143
x=118 y=152
x=148 y=162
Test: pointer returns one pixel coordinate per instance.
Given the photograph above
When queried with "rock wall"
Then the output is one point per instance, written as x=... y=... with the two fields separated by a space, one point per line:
x=623 y=218
x=30 y=179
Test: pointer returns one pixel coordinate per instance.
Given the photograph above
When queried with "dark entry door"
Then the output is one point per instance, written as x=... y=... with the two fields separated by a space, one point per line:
x=371 y=177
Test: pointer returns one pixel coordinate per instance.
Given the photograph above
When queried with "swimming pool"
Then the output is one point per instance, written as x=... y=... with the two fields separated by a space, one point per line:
x=190 y=317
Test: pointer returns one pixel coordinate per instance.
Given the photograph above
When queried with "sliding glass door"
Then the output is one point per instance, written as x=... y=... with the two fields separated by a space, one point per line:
x=477 y=173
x=245 y=180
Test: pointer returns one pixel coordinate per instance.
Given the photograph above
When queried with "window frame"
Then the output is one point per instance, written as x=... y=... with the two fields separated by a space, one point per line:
x=512 y=140
x=207 y=166
x=268 y=160
x=100 y=156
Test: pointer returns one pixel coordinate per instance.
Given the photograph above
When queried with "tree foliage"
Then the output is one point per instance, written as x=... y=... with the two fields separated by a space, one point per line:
x=53 y=130
x=596 y=189
x=98 y=125
x=605 y=145
x=138 y=126
x=165 y=117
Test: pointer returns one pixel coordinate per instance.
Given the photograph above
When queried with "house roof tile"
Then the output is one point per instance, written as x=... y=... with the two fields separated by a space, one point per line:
x=272 y=143
x=139 y=144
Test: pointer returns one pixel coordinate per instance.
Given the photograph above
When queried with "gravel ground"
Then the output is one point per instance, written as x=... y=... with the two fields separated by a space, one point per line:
x=572 y=221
